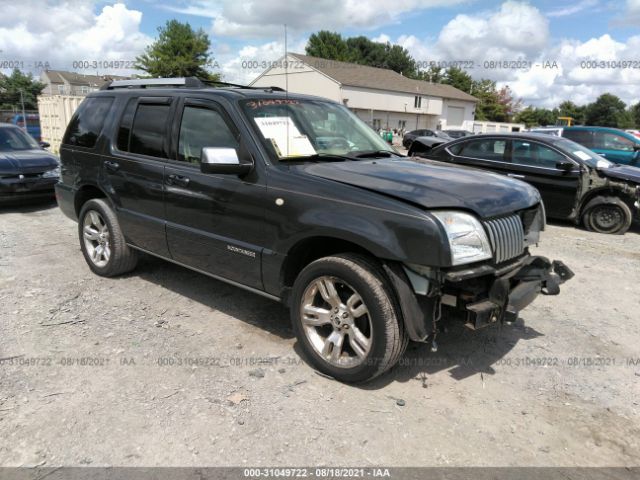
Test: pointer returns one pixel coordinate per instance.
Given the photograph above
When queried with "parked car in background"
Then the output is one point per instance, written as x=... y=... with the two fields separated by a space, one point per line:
x=26 y=169
x=635 y=133
x=409 y=137
x=33 y=124
x=458 y=133
x=574 y=182
x=363 y=244
x=612 y=143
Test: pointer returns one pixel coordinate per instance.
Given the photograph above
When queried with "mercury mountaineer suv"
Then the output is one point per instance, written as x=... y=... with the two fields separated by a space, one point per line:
x=294 y=198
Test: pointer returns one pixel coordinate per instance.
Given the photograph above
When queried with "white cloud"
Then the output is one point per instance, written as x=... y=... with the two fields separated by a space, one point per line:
x=572 y=8
x=262 y=19
x=244 y=66
x=519 y=32
x=68 y=32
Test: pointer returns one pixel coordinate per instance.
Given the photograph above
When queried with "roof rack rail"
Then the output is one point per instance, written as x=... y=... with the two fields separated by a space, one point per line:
x=186 y=82
x=154 y=82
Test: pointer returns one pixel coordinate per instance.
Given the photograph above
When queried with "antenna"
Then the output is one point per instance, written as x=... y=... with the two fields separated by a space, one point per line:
x=286 y=63
x=286 y=85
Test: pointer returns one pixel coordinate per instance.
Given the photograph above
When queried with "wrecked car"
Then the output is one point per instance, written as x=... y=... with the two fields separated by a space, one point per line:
x=575 y=183
x=294 y=198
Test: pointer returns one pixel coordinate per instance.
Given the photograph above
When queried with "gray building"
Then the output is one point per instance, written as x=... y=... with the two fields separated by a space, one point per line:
x=381 y=97
x=59 y=82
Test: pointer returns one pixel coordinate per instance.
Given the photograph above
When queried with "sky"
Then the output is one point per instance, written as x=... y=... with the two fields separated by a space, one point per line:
x=561 y=49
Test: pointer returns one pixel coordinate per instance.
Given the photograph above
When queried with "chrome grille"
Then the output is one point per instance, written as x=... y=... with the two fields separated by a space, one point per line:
x=506 y=236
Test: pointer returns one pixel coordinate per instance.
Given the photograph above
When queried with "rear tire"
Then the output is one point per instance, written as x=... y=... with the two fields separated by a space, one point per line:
x=346 y=318
x=102 y=242
x=607 y=215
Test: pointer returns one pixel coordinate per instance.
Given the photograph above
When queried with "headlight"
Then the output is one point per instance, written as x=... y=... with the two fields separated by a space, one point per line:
x=467 y=238
x=55 y=173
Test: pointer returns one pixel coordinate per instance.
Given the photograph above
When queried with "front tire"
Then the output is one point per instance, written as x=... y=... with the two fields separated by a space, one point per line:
x=607 y=215
x=345 y=317
x=102 y=242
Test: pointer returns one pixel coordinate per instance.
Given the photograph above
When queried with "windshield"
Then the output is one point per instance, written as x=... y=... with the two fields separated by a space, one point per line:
x=12 y=138
x=293 y=128
x=583 y=153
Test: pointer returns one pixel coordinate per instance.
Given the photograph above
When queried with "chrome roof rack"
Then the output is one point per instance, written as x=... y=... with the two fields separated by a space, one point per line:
x=191 y=82
x=186 y=82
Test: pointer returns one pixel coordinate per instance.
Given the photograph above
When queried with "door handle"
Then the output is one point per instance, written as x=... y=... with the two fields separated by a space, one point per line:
x=111 y=166
x=514 y=175
x=177 y=180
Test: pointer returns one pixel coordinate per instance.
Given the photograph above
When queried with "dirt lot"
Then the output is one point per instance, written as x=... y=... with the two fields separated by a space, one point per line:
x=168 y=367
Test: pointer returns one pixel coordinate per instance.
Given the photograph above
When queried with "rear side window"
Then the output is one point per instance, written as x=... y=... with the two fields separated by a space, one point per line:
x=486 y=149
x=583 y=137
x=86 y=125
x=149 y=130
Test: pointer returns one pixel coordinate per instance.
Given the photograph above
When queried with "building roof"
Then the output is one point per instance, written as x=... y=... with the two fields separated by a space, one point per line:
x=73 y=78
x=355 y=75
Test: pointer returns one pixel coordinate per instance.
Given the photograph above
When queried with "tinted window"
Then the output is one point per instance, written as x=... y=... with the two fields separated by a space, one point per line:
x=86 y=124
x=202 y=127
x=583 y=137
x=487 y=149
x=456 y=149
x=124 y=129
x=149 y=129
x=12 y=138
x=612 y=141
x=535 y=154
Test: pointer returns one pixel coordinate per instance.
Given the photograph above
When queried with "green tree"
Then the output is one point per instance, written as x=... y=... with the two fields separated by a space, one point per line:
x=489 y=106
x=433 y=74
x=536 y=117
x=12 y=85
x=607 y=111
x=329 y=45
x=459 y=78
x=361 y=50
x=570 y=109
x=635 y=113
x=179 y=51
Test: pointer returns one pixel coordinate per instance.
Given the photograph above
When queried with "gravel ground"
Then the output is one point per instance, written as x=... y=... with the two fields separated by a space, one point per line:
x=168 y=367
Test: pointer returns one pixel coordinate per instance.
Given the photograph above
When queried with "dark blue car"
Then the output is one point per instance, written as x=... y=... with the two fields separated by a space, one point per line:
x=26 y=169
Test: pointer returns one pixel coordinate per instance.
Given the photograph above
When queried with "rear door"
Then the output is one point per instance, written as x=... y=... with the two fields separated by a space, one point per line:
x=215 y=223
x=134 y=171
x=536 y=163
x=614 y=147
x=531 y=162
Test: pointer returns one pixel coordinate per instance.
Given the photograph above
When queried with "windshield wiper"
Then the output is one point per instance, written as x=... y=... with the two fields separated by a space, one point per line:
x=376 y=153
x=316 y=157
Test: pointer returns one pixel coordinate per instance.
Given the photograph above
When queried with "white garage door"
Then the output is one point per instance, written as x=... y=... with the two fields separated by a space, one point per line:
x=455 y=116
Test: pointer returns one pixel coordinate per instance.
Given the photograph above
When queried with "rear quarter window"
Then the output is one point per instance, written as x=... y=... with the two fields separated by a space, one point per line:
x=86 y=125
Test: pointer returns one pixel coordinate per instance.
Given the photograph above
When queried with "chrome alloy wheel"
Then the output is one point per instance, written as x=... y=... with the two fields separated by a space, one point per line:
x=95 y=233
x=336 y=322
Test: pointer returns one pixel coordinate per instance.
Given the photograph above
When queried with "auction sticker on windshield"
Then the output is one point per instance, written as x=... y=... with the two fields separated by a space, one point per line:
x=285 y=136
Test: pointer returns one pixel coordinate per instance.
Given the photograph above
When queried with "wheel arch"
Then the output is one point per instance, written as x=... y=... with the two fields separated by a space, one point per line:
x=605 y=191
x=85 y=193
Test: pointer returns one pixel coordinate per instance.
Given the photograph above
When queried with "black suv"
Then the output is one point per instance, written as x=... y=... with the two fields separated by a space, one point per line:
x=293 y=197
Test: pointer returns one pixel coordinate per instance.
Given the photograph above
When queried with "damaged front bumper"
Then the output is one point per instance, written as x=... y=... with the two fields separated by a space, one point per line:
x=483 y=294
x=510 y=293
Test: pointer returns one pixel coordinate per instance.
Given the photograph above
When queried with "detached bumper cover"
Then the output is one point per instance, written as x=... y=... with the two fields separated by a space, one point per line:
x=512 y=292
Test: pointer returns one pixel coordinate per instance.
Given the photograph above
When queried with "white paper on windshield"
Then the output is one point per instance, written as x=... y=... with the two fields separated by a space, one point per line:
x=285 y=136
x=603 y=164
x=582 y=155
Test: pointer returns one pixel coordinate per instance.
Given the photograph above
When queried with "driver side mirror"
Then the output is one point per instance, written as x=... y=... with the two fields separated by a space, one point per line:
x=44 y=144
x=565 y=165
x=224 y=161
x=636 y=147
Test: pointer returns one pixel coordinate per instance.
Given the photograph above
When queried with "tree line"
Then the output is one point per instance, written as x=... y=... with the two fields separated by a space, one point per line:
x=495 y=104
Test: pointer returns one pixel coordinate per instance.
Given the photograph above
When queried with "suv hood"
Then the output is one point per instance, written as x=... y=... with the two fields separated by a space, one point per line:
x=26 y=161
x=622 y=172
x=432 y=184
